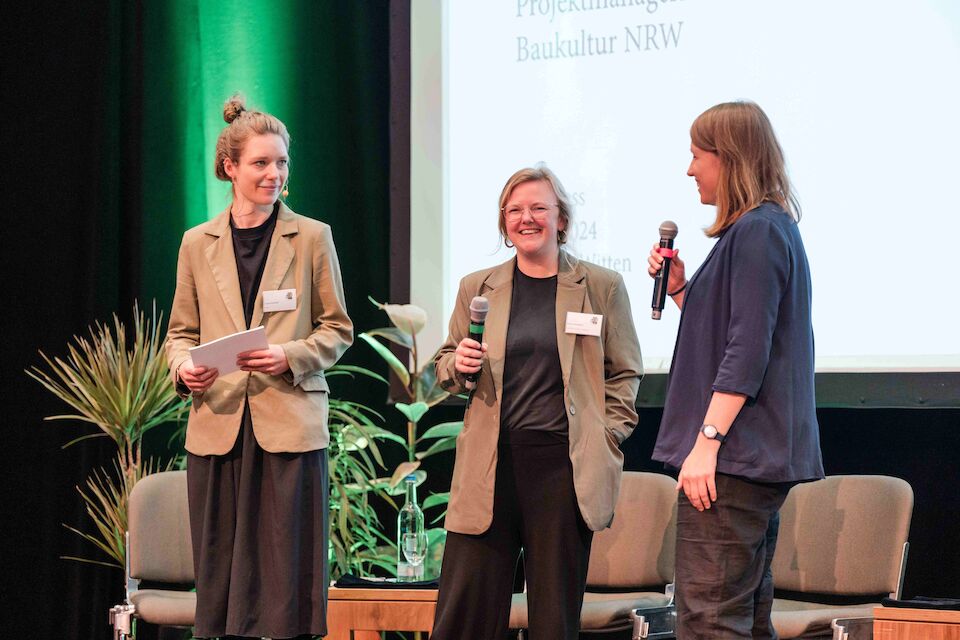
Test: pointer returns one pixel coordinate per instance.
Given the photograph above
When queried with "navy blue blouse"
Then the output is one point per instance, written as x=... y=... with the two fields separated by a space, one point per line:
x=746 y=328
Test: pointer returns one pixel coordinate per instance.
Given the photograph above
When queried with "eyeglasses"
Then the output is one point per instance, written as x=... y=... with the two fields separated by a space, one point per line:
x=538 y=211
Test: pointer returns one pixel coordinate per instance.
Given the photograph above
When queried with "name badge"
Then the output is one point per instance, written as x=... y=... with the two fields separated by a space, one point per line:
x=280 y=300
x=584 y=324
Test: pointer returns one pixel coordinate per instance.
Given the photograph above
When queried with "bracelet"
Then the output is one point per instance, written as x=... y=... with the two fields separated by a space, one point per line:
x=680 y=290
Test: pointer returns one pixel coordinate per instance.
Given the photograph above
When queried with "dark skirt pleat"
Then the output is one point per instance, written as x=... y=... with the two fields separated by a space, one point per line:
x=259 y=526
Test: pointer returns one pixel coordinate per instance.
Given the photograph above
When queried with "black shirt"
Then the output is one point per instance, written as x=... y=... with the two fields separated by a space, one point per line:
x=532 y=377
x=250 y=248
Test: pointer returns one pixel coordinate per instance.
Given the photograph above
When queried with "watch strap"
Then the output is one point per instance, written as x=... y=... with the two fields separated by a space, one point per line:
x=719 y=437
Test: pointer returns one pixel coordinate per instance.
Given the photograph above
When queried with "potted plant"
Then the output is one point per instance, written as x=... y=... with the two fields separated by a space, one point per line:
x=420 y=392
x=118 y=381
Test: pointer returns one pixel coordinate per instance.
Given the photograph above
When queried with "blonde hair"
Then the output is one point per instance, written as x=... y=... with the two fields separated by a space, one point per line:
x=536 y=174
x=752 y=165
x=241 y=126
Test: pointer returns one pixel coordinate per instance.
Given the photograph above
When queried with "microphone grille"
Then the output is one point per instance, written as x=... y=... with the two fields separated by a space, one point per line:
x=668 y=229
x=479 y=307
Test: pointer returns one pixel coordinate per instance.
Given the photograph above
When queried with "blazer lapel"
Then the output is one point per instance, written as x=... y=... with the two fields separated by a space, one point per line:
x=279 y=258
x=223 y=264
x=499 y=292
x=571 y=292
x=710 y=255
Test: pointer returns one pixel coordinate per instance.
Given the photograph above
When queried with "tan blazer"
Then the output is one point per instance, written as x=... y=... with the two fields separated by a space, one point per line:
x=601 y=377
x=289 y=412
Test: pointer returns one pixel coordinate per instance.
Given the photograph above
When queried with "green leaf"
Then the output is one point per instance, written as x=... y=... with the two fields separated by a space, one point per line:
x=427 y=389
x=444 y=444
x=413 y=412
x=409 y=318
x=435 y=499
x=402 y=471
x=349 y=369
x=354 y=441
x=394 y=335
x=443 y=430
x=379 y=433
x=398 y=368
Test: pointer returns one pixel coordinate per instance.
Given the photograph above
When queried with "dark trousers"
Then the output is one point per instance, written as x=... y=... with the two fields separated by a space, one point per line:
x=724 y=587
x=534 y=508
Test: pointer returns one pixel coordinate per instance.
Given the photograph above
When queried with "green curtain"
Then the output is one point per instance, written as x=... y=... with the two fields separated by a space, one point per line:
x=319 y=67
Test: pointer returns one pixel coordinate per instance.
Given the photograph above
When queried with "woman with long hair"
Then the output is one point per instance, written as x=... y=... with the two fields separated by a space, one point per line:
x=739 y=421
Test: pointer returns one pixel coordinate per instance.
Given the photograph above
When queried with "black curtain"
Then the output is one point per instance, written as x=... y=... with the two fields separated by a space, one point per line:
x=87 y=233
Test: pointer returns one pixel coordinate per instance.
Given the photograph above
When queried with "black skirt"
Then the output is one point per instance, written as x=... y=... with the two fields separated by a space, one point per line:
x=259 y=525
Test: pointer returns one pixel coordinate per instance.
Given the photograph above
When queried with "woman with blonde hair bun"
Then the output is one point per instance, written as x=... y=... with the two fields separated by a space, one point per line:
x=257 y=437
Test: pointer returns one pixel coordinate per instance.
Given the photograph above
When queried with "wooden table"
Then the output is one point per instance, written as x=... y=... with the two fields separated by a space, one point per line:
x=890 y=623
x=361 y=614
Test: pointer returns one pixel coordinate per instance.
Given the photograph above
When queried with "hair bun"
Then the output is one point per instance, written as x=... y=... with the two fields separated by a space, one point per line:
x=233 y=107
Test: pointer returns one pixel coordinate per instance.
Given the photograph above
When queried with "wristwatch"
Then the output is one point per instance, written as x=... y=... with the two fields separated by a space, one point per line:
x=710 y=431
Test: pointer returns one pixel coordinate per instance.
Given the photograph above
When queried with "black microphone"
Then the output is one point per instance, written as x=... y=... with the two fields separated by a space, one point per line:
x=668 y=231
x=479 y=307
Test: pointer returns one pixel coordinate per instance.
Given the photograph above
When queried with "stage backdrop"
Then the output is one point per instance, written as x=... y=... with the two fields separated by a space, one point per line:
x=112 y=110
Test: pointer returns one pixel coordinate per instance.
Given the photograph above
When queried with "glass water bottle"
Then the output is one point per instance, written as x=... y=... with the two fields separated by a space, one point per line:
x=411 y=536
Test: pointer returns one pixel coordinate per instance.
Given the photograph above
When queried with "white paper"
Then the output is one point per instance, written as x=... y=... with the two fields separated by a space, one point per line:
x=221 y=354
x=584 y=324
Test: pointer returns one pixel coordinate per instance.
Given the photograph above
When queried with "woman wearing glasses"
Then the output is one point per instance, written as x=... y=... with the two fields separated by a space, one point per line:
x=739 y=421
x=538 y=462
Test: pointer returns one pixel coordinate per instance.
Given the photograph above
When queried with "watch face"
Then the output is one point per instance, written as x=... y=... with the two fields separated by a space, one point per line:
x=710 y=431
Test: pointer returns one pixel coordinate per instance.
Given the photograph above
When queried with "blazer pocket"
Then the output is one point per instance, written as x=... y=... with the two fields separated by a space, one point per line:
x=613 y=443
x=316 y=382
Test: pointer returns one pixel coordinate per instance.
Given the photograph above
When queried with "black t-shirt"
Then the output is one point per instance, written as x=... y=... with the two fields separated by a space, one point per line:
x=250 y=248
x=532 y=378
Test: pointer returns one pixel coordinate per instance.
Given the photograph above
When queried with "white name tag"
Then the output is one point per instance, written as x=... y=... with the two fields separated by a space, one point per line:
x=280 y=300
x=584 y=324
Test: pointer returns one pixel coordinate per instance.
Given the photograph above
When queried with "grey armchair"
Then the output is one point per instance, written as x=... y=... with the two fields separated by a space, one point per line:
x=841 y=538
x=158 y=551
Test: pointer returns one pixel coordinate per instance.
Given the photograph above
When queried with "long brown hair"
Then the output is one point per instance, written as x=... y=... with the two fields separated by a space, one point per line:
x=752 y=166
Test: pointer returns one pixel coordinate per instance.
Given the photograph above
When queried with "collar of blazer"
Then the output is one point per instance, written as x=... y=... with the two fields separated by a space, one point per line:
x=497 y=287
x=223 y=263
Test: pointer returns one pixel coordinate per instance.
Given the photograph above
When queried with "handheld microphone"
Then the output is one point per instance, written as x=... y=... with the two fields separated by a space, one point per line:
x=668 y=231
x=479 y=307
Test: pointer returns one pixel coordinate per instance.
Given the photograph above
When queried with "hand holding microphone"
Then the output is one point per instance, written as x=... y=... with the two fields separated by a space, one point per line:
x=666 y=269
x=469 y=354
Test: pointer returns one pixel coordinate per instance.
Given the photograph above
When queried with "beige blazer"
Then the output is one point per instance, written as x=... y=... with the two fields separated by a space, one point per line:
x=289 y=412
x=601 y=377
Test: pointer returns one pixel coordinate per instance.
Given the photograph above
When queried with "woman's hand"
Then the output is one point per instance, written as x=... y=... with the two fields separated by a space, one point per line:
x=197 y=379
x=272 y=360
x=469 y=356
x=698 y=474
x=677 y=270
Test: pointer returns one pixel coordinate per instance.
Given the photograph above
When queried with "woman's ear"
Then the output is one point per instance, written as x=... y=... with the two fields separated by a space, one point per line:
x=229 y=168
